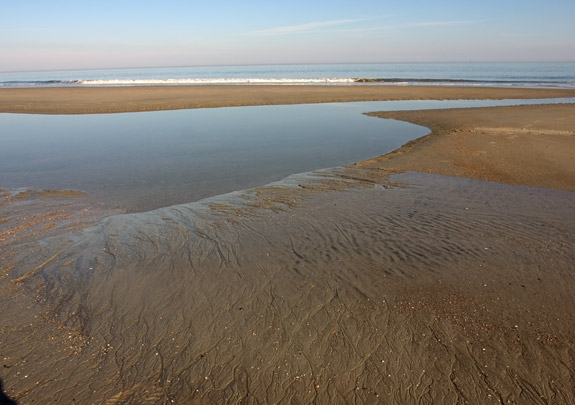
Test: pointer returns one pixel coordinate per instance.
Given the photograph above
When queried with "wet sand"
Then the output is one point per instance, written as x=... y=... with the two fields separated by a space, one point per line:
x=345 y=285
x=89 y=100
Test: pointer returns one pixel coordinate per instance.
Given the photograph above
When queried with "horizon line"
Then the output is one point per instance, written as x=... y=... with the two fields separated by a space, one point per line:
x=279 y=64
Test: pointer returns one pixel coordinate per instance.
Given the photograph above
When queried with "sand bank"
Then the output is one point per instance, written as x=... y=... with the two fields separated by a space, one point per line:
x=341 y=286
x=150 y=98
x=527 y=145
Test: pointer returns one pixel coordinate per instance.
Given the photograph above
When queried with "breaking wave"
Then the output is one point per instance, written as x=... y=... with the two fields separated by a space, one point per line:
x=283 y=81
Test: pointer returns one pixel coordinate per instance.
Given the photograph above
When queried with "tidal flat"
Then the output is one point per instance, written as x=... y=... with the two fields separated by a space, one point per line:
x=432 y=273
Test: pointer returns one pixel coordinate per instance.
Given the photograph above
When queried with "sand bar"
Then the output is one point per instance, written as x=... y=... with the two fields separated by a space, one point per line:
x=342 y=287
x=88 y=100
x=526 y=145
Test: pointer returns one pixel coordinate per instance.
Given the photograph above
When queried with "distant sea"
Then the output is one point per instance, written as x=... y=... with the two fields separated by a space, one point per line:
x=549 y=75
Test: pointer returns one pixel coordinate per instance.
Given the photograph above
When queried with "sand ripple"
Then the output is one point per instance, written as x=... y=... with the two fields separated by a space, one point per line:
x=358 y=295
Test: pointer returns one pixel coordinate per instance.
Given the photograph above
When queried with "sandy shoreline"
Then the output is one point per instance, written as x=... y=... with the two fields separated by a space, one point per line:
x=525 y=145
x=91 y=100
x=338 y=287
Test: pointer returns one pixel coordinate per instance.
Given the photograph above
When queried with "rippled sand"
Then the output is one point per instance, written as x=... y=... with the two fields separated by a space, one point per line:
x=369 y=293
x=344 y=285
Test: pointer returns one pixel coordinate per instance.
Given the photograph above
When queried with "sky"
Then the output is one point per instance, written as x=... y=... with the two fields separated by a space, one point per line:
x=37 y=35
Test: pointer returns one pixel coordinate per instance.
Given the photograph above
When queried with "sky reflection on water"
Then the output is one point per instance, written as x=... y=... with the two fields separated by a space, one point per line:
x=142 y=161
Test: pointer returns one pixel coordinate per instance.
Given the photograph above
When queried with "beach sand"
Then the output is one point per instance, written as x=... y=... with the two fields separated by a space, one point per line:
x=527 y=145
x=87 y=100
x=359 y=284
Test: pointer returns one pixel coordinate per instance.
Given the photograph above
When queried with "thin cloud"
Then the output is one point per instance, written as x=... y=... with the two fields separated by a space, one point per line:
x=422 y=24
x=333 y=24
x=438 y=23
x=292 y=29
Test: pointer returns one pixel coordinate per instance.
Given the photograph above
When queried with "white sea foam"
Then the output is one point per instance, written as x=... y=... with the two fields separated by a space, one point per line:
x=544 y=75
x=128 y=82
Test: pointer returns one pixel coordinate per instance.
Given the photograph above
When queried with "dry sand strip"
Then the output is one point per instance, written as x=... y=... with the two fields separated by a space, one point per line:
x=87 y=100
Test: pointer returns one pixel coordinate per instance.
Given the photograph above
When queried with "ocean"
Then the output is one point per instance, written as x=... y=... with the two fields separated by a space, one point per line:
x=538 y=75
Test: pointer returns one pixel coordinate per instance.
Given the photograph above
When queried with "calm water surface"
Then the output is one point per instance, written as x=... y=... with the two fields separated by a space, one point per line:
x=142 y=161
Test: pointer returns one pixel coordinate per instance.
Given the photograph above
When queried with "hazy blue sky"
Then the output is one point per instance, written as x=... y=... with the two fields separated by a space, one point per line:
x=44 y=35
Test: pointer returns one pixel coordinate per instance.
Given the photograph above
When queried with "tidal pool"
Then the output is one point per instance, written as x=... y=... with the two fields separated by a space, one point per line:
x=142 y=161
